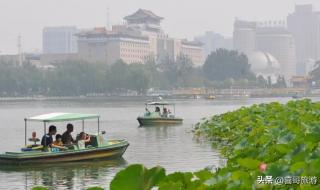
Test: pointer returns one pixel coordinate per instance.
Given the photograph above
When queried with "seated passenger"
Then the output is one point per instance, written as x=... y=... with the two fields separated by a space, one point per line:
x=47 y=140
x=58 y=143
x=58 y=140
x=165 y=112
x=157 y=111
x=83 y=139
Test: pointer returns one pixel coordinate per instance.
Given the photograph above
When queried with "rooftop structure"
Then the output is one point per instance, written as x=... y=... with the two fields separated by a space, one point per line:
x=143 y=16
x=144 y=20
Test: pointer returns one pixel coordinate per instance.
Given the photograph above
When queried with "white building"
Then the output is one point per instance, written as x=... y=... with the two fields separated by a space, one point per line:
x=264 y=64
x=99 y=46
x=136 y=41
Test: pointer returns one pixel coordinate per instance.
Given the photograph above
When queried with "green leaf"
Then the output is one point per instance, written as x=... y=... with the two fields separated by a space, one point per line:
x=239 y=175
x=249 y=163
x=95 y=188
x=298 y=165
x=40 y=188
x=282 y=148
x=203 y=175
x=137 y=177
x=170 y=185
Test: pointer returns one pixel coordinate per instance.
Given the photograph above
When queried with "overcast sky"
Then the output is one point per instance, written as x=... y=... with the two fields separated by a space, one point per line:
x=183 y=18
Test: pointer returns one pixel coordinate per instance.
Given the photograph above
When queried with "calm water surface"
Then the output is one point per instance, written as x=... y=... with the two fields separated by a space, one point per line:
x=172 y=147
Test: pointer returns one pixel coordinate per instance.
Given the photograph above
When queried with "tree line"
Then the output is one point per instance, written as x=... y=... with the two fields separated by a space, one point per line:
x=222 y=69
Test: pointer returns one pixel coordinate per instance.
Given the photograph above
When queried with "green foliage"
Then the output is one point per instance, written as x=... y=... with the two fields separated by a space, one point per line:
x=137 y=177
x=224 y=64
x=95 y=188
x=285 y=137
x=74 y=78
x=222 y=69
x=40 y=188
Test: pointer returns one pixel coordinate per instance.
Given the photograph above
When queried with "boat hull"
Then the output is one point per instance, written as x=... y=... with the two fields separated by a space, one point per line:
x=159 y=121
x=104 y=152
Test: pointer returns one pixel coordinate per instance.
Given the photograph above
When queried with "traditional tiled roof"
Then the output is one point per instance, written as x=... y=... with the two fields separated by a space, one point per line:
x=143 y=14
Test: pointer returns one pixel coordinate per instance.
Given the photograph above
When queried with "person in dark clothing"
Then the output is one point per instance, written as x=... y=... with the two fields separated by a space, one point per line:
x=47 y=139
x=67 y=138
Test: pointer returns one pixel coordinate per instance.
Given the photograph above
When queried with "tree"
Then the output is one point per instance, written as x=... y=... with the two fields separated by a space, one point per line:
x=177 y=72
x=137 y=78
x=116 y=76
x=224 y=64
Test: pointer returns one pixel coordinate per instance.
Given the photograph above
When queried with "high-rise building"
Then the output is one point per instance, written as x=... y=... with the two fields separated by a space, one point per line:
x=59 y=40
x=212 y=41
x=271 y=38
x=244 y=36
x=277 y=41
x=304 y=24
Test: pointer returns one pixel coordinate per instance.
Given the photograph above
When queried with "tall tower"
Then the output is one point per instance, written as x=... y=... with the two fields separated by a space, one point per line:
x=20 y=51
x=108 y=27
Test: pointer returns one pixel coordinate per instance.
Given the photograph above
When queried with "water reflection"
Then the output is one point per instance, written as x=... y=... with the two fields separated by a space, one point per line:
x=65 y=175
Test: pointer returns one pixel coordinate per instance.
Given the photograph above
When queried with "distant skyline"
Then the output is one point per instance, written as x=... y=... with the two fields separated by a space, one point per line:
x=183 y=19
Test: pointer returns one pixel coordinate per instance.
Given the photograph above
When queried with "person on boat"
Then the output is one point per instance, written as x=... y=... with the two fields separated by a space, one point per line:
x=83 y=139
x=165 y=112
x=58 y=143
x=58 y=140
x=47 y=140
x=67 y=138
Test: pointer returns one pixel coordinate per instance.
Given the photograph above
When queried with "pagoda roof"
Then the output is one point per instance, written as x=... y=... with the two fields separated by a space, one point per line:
x=143 y=14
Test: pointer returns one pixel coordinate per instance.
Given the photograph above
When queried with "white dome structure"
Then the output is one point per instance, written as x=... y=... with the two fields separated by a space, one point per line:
x=264 y=64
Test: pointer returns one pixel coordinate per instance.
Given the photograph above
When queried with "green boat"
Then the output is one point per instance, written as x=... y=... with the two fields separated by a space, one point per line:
x=98 y=147
x=158 y=118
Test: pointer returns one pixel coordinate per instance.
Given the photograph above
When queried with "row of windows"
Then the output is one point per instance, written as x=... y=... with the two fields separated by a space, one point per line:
x=134 y=45
x=124 y=50
x=132 y=56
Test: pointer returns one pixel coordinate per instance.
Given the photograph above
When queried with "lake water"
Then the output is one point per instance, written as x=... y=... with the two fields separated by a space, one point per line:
x=173 y=147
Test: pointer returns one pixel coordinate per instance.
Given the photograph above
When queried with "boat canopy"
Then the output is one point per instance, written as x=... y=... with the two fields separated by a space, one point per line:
x=59 y=117
x=159 y=103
